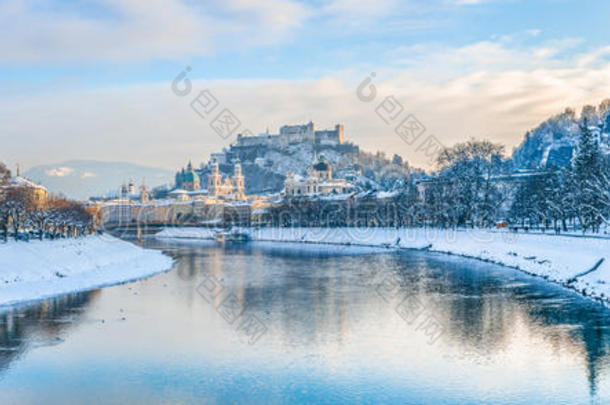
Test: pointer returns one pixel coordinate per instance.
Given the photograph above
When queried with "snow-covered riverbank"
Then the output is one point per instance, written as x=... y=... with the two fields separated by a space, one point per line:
x=37 y=270
x=561 y=259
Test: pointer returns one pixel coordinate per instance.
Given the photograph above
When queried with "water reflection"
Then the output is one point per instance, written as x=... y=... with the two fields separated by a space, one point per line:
x=482 y=309
x=331 y=336
x=23 y=328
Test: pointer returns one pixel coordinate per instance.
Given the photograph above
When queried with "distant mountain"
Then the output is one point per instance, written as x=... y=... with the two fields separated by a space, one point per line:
x=81 y=179
x=554 y=142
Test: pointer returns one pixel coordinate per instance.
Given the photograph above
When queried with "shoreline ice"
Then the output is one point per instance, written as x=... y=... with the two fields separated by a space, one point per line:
x=565 y=260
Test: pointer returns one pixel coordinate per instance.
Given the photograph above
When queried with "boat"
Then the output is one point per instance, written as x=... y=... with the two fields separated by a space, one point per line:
x=222 y=237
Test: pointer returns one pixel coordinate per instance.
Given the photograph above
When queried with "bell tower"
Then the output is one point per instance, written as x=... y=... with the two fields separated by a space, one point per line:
x=214 y=180
x=238 y=181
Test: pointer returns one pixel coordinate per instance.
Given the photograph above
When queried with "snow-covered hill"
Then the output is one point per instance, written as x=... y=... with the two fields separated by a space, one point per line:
x=265 y=167
x=554 y=141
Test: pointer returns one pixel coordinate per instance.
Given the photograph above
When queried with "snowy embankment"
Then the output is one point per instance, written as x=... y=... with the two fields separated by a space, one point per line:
x=580 y=263
x=42 y=269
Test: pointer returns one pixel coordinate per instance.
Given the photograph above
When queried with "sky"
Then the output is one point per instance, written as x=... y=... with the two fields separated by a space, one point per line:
x=93 y=79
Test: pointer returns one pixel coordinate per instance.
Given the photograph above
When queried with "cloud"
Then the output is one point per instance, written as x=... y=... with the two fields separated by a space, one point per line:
x=506 y=53
x=270 y=15
x=534 y=32
x=58 y=32
x=484 y=90
x=470 y=2
x=59 y=172
x=130 y=30
x=87 y=175
x=350 y=9
x=594 y=58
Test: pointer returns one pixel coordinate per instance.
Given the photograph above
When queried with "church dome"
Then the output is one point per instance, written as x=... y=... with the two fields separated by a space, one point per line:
x=321 y=166
x=190 y=177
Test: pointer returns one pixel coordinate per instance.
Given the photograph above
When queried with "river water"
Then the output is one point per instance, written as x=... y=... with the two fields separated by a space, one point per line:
x=283 y=323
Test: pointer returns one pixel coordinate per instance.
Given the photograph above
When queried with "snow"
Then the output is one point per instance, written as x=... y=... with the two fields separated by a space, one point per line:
x=42 y=269
x=19 y=181
x=386 y=194
x=556 y=258
x=260 y=211
x=187 y=233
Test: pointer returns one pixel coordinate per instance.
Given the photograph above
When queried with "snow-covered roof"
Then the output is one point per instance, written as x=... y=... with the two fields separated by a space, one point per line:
x=334 y=182
x=237 y=203
x=198 y=192
x=211 y=221
x=260 y=211
x=178 y=191
x=386 y=194
x=335 y=197
x=19 y=181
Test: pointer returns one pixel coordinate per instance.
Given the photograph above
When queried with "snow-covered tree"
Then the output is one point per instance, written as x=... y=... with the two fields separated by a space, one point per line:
x=588 y=170
x=560 y=199
x=599 y=186
x=17 y=202
x=5 y=217
x=467 y=171
x=40 y=218
x=409 y=206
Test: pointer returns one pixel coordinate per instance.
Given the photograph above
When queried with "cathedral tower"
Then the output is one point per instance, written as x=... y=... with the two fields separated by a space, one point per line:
x=238 y=181
x=214 y=180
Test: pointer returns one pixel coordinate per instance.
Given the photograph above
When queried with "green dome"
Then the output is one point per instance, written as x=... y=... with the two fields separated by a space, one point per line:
x=190 y=177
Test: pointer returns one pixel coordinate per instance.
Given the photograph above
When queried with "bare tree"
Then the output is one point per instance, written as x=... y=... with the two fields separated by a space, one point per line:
x=5 y=217
x=5 y=173
x=67 y=218
x=40 y=218
x=17 y=203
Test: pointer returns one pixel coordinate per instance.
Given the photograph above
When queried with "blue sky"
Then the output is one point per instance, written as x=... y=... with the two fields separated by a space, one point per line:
x=322 y=42
x=76 y=77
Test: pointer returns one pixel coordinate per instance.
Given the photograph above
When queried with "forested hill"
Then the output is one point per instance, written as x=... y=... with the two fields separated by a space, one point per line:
x=554 y=141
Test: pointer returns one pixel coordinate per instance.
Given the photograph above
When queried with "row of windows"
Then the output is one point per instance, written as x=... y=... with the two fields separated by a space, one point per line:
x=310 y=190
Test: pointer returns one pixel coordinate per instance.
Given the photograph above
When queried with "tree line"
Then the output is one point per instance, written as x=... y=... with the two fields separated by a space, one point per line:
x=23 y=217
x=578 y=194
x=475 y=185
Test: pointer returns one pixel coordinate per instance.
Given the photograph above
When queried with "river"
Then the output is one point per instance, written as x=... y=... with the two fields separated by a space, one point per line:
x=288 y=323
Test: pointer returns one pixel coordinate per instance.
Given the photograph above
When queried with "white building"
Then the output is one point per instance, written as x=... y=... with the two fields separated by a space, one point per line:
x=229 y=187
x=319 y=181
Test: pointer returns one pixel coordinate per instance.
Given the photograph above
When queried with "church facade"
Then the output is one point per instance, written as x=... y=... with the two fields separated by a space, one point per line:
x=188 y=183
x=319 y=181
x=231 y=187
x=187 y=179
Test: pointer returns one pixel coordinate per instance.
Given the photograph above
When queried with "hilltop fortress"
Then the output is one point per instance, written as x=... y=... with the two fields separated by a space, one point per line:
x=259 y=164
x=240 y=184
x=293 y=134
x=267 y=158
